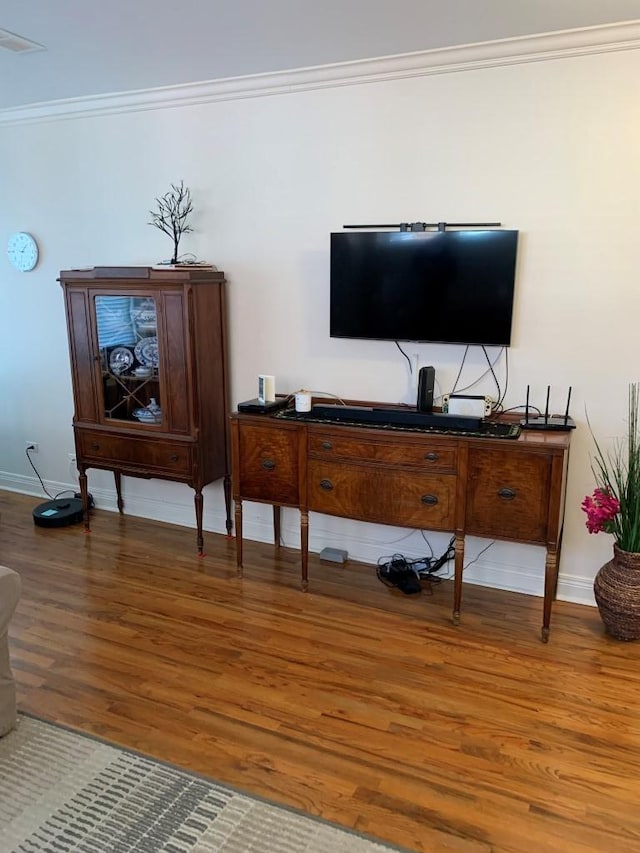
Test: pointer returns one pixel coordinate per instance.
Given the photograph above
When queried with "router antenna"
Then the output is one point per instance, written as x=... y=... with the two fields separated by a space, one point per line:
x=546 y=408
x=566 y=413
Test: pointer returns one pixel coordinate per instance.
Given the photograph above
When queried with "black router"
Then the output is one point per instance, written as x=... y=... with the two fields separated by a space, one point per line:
x=58 y=512
x=548 y=422
x=263 y=407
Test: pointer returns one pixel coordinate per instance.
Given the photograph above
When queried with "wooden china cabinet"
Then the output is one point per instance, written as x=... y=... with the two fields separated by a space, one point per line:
x=149 y=373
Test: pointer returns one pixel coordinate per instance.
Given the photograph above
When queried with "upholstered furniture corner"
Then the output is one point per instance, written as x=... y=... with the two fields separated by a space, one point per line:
x=9 y=594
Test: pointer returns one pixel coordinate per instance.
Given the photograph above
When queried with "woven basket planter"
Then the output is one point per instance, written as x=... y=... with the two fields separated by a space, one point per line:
x=617 y=591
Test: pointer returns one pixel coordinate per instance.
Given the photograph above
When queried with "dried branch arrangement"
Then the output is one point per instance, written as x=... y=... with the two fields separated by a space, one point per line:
x=171 y=216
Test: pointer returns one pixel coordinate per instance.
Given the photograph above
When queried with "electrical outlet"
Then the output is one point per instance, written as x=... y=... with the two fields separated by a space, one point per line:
x=31 y=445
x=72 y=457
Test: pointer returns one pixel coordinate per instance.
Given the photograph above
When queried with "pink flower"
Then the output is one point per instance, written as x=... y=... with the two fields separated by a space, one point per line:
x=601 y=508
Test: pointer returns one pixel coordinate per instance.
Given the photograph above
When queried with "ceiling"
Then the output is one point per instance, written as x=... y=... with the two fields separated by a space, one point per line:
x=114 y=46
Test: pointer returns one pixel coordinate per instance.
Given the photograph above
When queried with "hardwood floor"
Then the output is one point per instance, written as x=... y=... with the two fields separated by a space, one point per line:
x=353 y=701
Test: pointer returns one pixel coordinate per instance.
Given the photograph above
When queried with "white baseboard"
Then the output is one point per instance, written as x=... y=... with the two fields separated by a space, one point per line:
x=527 y=578
x=363 y=542
x=160 y=508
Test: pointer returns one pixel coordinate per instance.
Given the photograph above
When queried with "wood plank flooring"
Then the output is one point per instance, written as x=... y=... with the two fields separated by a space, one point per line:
x=353 y=702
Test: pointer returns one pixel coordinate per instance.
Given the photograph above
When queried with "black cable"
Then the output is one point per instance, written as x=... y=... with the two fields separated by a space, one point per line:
x=37 y=475
x=428 y=544
x=397 y=571
x=58 y=494
x=406 y=356
x=466 y=350
x=439 y=563
x=495 y=378
x=506 y=372
x=506 y=375
x=481 y=377
x=475 y=559
x=444 y=558
x=400 y=559
x=522 y=406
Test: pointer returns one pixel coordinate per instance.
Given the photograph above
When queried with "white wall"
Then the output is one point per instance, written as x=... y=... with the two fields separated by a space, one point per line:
x=547 y=147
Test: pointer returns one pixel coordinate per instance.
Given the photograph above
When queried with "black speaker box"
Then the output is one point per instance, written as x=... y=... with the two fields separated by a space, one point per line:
x=426 y=381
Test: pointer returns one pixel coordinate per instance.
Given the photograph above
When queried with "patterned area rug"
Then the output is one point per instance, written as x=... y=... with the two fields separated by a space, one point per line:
x=61 y=791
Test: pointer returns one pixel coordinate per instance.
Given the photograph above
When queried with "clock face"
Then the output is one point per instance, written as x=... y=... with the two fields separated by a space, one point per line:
x=22 y=250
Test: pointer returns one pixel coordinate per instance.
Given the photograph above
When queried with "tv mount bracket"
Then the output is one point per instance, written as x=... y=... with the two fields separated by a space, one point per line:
x=422 y=226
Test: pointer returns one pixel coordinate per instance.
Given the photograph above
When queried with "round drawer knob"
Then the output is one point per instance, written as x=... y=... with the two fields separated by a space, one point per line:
x=326 y=445
x=268 y=464
x=431 y=457
x=327 y=485
x=95 y=445
x=173 y=457
x=429 y=500
x=506 y=494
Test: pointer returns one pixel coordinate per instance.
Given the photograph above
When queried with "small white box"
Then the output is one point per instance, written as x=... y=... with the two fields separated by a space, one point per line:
x=468 y=404
x=266 y=388
x=334 y=555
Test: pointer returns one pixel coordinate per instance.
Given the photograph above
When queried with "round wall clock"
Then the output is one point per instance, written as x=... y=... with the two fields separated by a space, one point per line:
x=22 y=251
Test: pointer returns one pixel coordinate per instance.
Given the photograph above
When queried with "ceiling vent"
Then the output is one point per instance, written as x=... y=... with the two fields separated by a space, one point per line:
x=17 y=44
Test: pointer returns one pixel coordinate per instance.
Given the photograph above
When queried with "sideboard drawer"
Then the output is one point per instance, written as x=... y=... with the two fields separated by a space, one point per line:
x=127 y=452
x=508 y=494
x=427 y=454
x=268 y=464
x=382 y=495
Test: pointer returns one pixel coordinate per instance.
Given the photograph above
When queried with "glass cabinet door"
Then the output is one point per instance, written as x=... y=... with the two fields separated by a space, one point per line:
x=129 y=360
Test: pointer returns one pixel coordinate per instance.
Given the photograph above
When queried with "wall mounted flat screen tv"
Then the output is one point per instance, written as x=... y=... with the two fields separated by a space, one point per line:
x=429 y=286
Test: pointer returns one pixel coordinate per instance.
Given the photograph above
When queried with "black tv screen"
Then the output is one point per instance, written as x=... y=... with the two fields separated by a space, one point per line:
x=429 y=286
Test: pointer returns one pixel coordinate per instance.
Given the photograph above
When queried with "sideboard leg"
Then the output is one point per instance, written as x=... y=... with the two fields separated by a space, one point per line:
x=238 y=520
x=226 y=484
x=117 y=476
x=457 y=579
x=276 y=525
x=558 y=553
x=84 y=494
x=198 y=504
x=550 y=585
x=304 y=547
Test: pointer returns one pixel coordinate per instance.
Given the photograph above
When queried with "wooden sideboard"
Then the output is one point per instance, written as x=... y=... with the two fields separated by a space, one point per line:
x=512 y=489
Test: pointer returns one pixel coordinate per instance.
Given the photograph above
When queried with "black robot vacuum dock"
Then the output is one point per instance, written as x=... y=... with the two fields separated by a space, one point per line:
x=58 y=512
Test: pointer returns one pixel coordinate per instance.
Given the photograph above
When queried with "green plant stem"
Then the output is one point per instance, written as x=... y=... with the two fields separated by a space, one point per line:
x=618 y=472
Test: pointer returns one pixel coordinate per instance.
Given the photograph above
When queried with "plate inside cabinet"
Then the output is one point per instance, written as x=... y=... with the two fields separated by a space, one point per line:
x=120 y=360
x=147 y=352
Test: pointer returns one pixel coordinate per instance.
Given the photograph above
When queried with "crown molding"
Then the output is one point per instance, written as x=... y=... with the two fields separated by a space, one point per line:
x=470 y=57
